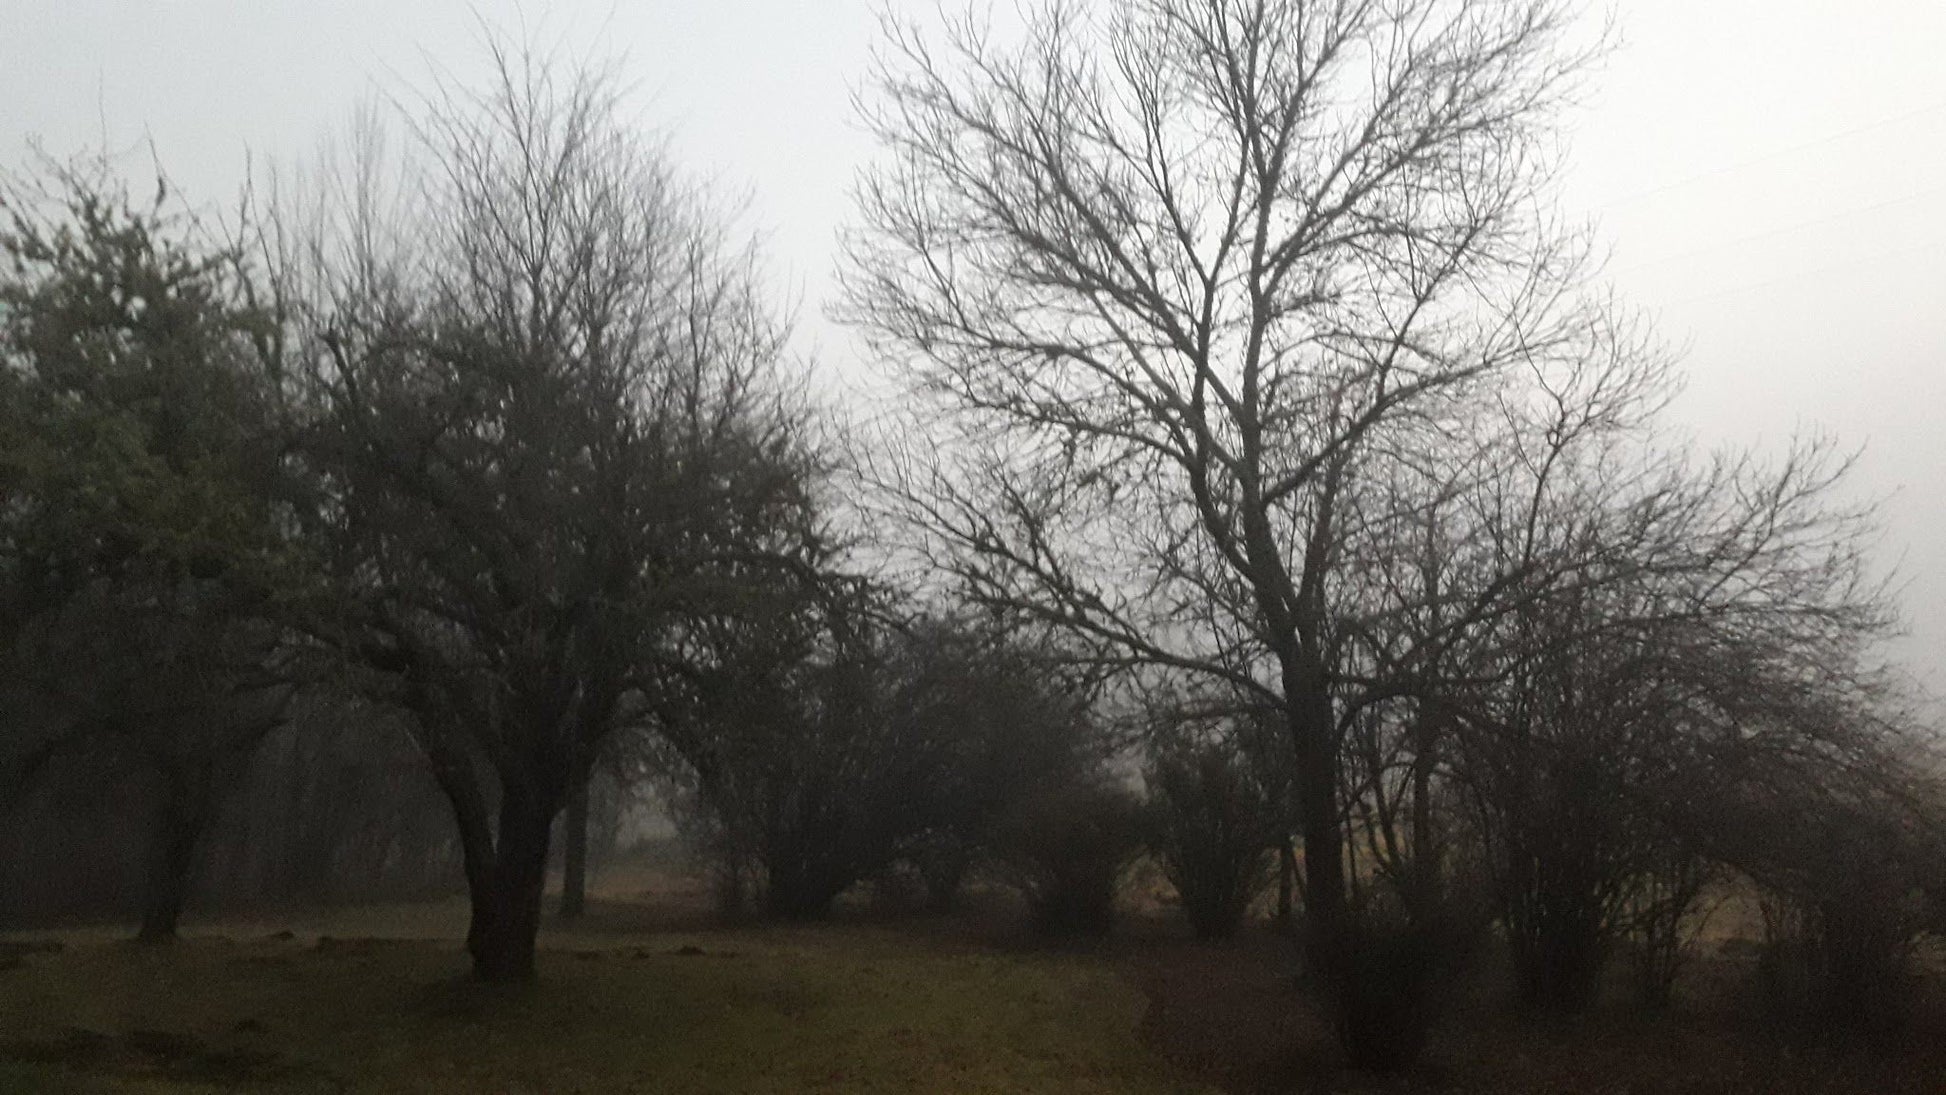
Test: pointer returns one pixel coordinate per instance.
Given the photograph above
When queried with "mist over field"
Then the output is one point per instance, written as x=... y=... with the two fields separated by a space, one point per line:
x=1244 y=545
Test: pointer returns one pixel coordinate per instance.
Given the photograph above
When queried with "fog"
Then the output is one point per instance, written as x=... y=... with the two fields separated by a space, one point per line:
x=1240 y=504
x=1768 y=174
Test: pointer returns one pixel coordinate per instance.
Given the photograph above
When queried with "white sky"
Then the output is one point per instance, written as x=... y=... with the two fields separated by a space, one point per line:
x=1770 y=174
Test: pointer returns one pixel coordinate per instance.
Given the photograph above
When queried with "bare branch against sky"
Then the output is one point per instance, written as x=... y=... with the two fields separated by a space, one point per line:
x=1768 y=175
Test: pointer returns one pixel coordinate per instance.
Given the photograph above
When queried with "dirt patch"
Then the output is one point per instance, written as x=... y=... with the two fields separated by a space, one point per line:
x=159 y=1055
x=1234 y=1016
x=1231 y=1014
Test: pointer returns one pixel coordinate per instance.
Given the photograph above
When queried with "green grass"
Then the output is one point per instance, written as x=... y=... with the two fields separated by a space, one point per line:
x=822 y=1009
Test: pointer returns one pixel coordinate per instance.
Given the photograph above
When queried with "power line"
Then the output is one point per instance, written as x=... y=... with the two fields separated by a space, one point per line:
x=1815 y=271
x=1784 y=230
x=1815 y=142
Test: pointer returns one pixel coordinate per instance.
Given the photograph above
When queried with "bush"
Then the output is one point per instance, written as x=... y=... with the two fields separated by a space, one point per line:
x=1843 y=860
x=1567 y=843
x=1840 y=964
x=1663 y=917
x=1383 y=977
x=941 y=858
x=1210 y=825
x=1065 y=849
x=897 y=889
x=829 y=756
x=1002 y=722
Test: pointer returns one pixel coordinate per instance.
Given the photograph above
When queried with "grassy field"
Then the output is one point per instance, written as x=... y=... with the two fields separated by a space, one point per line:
x=849 y=1008
x=646 y=996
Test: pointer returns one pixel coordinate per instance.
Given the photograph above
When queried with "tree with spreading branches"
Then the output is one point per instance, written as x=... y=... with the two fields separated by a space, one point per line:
x=555 y=420
x=1179 y=279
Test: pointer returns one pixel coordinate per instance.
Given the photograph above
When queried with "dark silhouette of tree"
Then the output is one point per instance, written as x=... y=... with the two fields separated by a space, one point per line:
x=1066 y=848
x=1005 y=718
x=555 y=422
x=149 y=572
x=1708 y=611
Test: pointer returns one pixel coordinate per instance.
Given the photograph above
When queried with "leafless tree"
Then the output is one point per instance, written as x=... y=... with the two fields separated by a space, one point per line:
x=1690 y=618
x=556 y=419
x=1182 y=272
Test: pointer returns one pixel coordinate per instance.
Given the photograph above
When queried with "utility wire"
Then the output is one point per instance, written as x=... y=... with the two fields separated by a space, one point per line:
x=1783 y=230
x=1815 y=142
x=1800 y=275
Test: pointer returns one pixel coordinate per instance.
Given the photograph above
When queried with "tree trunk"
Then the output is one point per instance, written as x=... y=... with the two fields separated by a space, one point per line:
x=574 y=874
x=477 y=861
x=1376 y=984
x=1286 y=884
x=507 y=923
x=1425 y=853
x=1325 y=910
x=180 y=822
x=459 y=777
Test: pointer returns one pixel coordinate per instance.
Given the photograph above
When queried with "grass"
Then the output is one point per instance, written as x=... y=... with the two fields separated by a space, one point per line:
x=645 y=996
x=848 y=1008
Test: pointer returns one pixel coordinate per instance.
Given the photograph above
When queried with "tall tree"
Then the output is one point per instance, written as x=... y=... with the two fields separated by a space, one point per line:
x=1183 y=272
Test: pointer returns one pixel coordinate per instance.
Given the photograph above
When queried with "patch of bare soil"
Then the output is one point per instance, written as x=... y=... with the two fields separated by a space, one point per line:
x=1233 y=1015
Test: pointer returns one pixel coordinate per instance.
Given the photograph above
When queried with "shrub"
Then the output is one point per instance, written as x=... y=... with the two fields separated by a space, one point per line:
x=1066 y=848
x=1840 y=963
x=897 y=890
x=1843 y=860
x=1210 y=825
x=941 y=858
x=1662 y=918
x=1384 y=976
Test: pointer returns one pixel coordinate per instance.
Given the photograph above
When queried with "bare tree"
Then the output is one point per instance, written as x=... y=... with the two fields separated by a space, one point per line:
x=1182 y=272
x=555 y=421
x=1686 y=619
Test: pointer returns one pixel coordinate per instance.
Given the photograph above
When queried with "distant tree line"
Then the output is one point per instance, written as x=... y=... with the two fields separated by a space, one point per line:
x=1279 y=502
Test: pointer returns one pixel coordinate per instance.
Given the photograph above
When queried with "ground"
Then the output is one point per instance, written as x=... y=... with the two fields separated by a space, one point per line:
x=646 y=995
x=1232 y=1016
x=830 y=1008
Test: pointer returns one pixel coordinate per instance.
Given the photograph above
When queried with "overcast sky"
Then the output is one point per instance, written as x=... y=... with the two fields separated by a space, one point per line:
x=1769 y=174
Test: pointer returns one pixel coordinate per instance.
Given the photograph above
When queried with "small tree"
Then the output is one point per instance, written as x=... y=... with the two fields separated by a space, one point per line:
x=1664 y=914
x=1006 y=715
x=555 y=425
x=1067 y=848
x=1843 y=842
x=810 y=781
x=1212 y=826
